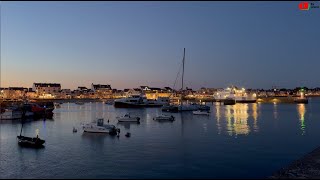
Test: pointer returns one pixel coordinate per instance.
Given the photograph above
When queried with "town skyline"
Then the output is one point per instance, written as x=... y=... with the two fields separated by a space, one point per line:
x=251 y=44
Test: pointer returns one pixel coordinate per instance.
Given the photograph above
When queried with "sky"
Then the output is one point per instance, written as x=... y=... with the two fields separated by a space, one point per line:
x=130 y=44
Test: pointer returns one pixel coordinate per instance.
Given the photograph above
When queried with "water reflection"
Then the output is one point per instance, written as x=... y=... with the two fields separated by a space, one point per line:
x=301 y=112
x=275 y=110
x=237 y=119
x=218 y=115
x=255 y=116
x=127 y=125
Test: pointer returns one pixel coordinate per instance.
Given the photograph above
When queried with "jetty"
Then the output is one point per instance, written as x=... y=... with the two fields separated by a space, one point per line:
x=308 y=167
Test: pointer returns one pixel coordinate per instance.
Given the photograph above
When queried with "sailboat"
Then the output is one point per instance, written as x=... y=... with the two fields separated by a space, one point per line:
x=35 y=142
x=182 y=107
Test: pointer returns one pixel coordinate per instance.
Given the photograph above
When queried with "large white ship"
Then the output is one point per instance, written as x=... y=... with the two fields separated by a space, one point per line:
x=239 y=95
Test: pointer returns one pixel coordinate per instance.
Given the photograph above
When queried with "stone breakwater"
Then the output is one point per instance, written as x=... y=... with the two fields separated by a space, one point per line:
x=308 y=167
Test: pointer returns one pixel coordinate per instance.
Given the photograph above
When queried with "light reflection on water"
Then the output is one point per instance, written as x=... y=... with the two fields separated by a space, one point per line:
x=301 y=112
x=188 y=145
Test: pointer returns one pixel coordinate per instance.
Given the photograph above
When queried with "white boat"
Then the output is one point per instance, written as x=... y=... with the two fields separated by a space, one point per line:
x=164 y=117
x=57 y=105
x=128 y=118
x=201 y=112
x=10 y=114
x=137 y=101
x=100 y=127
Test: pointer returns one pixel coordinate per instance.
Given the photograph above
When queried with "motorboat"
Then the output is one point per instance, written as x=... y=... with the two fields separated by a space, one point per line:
x=137 y=101
x=100 y=127
x=164 y=117
x=128 y=118
x=199 y=112
x=10 y=114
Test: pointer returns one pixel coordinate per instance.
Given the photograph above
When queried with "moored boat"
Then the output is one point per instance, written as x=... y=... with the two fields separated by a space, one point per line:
x=10 y=114
x=199 y=112
x=100 y=127
x=30 y=142
x=164 y=117
x=128 y=118
x=138 y=101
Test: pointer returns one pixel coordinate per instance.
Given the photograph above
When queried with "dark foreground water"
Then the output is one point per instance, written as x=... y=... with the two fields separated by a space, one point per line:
x=240 y=141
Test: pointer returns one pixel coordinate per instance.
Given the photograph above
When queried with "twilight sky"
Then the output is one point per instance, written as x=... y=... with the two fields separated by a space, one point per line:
x=128 y=44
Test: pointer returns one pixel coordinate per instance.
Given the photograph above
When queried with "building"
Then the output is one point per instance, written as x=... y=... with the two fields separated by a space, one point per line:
x=13 y=93
x=102 y=91
x=47 y=90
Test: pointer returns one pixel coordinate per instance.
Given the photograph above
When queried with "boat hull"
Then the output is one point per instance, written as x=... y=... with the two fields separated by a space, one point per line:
x=246 y=101
x=128 y=120
x=229 y=102
x=10 y=115
x=301 y=101
x=134 y=105
x=30 y=142
x=200 y=113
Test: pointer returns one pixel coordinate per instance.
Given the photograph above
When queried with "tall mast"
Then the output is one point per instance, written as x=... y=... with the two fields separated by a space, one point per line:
x=184 y=53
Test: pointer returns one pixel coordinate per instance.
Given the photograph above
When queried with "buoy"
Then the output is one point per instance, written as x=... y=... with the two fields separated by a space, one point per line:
x=128 y=134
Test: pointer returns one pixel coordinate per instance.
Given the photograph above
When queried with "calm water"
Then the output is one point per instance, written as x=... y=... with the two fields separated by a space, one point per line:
x=240 y=141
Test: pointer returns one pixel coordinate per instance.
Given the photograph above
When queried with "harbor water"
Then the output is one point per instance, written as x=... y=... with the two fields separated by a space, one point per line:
x=234 y=141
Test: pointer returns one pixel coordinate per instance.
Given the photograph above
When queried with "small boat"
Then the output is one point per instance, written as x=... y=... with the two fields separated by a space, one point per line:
x=128 y=134
x=79 y=103
x=201 y=112
x=57 y=105
x=34 y=142
x=10 y=114
x=100 y=127
x=109 y=102
x=31 y=142
x=164 y=117
x=74 y=130
x=128 y=118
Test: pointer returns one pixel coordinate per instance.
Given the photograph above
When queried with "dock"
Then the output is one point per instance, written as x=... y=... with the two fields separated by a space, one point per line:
x=307 y=167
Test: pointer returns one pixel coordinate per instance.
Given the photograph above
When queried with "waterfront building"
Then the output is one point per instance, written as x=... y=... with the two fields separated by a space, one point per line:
x=47 y=90
x=102 y=90
x=65 y=93
x=13 y=93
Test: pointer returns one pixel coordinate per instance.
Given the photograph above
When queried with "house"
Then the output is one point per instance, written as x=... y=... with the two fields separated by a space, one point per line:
x=102 y=90
x=47 y=90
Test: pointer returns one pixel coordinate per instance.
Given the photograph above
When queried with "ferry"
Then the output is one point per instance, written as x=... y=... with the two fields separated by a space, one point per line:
x=238 y=95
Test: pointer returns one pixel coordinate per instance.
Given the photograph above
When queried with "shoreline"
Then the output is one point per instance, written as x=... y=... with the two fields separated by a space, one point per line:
x=307 y=167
